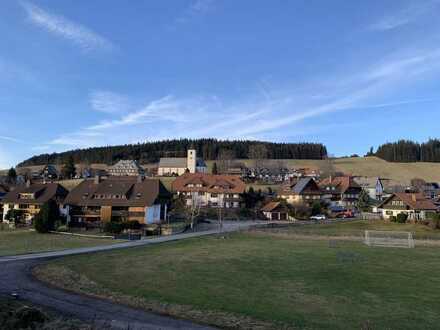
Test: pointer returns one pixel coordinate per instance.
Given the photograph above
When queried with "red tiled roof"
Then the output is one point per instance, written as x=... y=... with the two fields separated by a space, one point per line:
x=270 y=206
x=341 y=183
x=304 y=186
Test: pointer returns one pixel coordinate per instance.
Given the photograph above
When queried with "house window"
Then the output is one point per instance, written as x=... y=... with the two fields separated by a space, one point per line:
x=214 y=195
x=389 y=212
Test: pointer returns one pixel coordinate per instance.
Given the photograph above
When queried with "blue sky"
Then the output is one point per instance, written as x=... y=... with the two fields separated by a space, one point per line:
x=350 y=74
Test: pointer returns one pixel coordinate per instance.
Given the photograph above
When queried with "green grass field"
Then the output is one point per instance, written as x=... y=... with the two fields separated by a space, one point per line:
x=357 y=229
x=13 y=242
x=252 y=280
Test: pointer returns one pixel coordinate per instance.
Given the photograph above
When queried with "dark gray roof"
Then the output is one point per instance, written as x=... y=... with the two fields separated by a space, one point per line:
x=200 y=162
x=301 y=185
x=173 y=162
x=179 y=162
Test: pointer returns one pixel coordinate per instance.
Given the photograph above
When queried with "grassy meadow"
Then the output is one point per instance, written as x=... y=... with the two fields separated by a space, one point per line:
x=357 y=229
x=14 y=242
x=256 y=280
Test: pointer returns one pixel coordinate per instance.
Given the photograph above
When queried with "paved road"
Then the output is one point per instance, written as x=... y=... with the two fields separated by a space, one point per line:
x=16 y=277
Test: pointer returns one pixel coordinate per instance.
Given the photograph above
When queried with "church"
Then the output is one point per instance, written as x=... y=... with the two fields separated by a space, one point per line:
x=178 y=166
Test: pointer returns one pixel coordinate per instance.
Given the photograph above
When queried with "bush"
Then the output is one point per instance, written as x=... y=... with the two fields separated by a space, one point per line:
x=434 y=223
x=245 y=213
x=45 y=220
x=25 y=318
x=302 y=212
x=116 y=227
x=15 y=216
x=133 y=224
x=316 y=208
x=113 y=227
x=402 y=217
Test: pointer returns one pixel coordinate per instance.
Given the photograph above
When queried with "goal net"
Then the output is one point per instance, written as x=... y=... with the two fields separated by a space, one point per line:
x=401 y=239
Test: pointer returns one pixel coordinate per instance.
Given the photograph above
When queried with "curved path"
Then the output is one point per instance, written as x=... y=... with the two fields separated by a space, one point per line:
x=16 y=277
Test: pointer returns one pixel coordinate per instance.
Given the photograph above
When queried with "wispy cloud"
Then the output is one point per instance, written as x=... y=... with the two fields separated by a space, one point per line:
x=195 y=9
x=267 y=111
x=109 y=102
x=10 y=139
x=58 y=25
x=404 y=16
x=166 y=110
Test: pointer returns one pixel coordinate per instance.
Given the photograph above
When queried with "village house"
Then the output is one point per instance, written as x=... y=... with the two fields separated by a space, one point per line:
x=3 y=191
x=275 y=211
x=375 y=187
x=126 y=168
x=304 y=191
x=209 y=190
x=118 y=199
x=30 y=197
x=415 y=205
x=178 y=166
x=341 y=191
x=269 y=174
x=49 y=172
x=430 y=190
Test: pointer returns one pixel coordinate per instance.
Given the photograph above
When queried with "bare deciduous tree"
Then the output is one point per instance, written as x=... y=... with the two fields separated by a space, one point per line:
x=225 y=157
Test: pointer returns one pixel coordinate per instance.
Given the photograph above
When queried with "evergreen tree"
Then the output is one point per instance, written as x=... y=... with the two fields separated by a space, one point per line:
x=214 y=168
x=12 y=175
x=364 y=202
x=370 y=153
x=409 y=151
x=68 y=171
x=208 y=149
x=45 y=220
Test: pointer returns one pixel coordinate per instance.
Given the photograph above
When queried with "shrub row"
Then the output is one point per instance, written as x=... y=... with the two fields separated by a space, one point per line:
x=115 y=227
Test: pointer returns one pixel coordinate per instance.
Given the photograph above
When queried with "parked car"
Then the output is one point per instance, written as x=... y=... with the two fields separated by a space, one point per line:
x=318 y=217
x=345 y=215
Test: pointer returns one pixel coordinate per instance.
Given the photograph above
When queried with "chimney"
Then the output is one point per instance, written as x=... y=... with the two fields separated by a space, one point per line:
x=414 y=197
x=28 y=183
x=97 y=179
x=330 y=179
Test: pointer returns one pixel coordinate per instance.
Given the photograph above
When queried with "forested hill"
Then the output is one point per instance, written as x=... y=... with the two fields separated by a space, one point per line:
x=209 y=149
x=406 y=151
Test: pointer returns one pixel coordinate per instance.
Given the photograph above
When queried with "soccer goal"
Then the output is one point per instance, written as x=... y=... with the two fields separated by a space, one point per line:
x=401 y=239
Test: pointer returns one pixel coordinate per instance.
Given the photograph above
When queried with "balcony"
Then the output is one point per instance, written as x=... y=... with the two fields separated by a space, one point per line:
x=120 y=213
x=85 y=213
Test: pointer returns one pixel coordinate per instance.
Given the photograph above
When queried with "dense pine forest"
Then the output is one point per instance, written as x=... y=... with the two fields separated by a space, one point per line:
x=408 y=151
x=209 y=149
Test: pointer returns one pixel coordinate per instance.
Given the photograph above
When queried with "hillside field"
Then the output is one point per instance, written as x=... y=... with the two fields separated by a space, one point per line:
x=362 y=166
